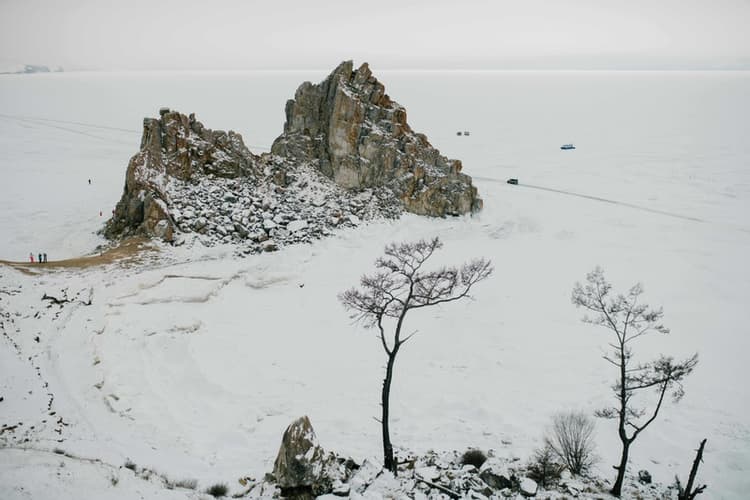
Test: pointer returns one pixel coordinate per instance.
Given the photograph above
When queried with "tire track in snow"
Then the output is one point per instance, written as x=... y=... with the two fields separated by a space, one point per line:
x=603 y=200
x=82 y=124
x=48 y=122
x=33 y=121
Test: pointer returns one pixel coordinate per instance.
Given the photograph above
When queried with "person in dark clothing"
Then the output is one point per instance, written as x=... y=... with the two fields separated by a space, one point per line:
x=45 y=257
x=40 y=258
x=89 y=181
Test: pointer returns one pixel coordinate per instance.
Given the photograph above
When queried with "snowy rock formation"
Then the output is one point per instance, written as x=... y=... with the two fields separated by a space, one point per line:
x=347 y=154
x=355 y=134
x=303 y=470
x=189 y=179
x=174 y=149
x=298 y=465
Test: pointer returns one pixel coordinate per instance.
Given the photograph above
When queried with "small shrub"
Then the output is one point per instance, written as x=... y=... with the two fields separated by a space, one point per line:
x=572 y=440
x=544 y=467
x=218 y=490
x=473 y=457
x=129 y=464
x=114 y=479
x=189 y=484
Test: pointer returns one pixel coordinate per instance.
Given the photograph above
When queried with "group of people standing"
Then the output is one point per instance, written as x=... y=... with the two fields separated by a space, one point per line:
x=41 y=258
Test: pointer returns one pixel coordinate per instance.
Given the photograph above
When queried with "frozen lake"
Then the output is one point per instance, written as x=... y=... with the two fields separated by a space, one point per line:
x=663 y=167
x=672 y=141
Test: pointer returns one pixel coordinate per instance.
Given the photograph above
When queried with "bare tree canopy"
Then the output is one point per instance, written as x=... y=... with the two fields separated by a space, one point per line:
x=399 y=285
x=572 y=440
x=629 y=319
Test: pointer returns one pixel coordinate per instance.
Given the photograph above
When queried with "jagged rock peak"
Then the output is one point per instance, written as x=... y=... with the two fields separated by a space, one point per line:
x=190 y=182
x=355 y=134
x=173 y=146
x=184 y=147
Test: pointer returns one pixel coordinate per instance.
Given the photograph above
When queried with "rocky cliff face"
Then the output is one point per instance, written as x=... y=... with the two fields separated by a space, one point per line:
x=174 y=147
x=347 y=154
x=355 y=134
x=189 y=179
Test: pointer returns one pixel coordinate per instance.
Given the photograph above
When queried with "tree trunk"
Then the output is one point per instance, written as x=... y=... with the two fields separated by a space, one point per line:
x=623 y=397
x=388 y=461
x=689 y=493
x=617 y=488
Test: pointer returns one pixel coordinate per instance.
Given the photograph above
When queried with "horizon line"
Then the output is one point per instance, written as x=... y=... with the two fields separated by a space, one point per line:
x=391 y=69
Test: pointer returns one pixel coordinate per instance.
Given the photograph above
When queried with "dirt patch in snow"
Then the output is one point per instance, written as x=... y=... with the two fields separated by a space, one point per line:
x=129 y=251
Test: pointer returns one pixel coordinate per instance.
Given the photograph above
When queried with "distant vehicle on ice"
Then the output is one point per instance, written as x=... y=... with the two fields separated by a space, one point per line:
x=567 y=146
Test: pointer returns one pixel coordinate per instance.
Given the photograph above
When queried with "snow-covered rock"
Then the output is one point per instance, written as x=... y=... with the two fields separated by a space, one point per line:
x=269 y=246
x=296 y=225
x=299 y=461
x=429 y=473
x=183 y=170
x=495 y=473
x=528 y=487
x=644 y=476
x=356 y=135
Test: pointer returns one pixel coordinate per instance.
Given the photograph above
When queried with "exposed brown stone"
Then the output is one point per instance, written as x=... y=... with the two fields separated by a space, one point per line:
x=360 y=138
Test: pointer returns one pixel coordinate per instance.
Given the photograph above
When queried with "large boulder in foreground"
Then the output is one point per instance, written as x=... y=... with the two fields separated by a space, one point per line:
x=173 y=146
x=300 y=463
x=360 y=138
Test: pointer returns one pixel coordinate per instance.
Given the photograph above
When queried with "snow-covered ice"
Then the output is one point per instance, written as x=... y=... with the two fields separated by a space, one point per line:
x=194 y=362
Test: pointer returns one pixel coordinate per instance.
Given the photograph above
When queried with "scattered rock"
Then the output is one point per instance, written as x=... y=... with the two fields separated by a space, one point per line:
x=429 y=473
x=200 y=223
x=269 y=246
x=495 y=473
x=296 y=225
x=341 y=489
x=528 y=487
x=644 y=476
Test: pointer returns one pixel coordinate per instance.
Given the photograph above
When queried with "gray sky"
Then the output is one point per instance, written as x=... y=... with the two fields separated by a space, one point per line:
x=439 y=34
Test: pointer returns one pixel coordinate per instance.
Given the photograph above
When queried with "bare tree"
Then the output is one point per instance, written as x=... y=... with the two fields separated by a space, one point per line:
x=629 y=320
x=689 y=492
x=401 y=285
x=572 y=440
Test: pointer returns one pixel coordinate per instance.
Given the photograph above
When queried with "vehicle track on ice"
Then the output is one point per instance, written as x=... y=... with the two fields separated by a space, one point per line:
x=599 y=198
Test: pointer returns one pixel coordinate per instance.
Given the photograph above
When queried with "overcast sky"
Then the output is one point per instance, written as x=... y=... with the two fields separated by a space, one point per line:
x=439 y=34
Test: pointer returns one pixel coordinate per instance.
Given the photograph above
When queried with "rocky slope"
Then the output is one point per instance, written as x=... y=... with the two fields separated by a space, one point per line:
x=355 y=134
x=175 y=150
x=347 y=154
x=304 y=470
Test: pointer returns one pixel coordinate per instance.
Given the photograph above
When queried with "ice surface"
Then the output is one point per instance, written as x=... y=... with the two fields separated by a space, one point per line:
x=195 y=365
